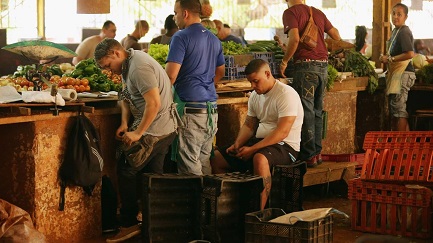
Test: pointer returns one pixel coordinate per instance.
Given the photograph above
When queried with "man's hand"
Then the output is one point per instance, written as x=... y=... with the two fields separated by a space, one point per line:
x=283 y=67
x=130 y=137
x=121 y=131
x=246 y=153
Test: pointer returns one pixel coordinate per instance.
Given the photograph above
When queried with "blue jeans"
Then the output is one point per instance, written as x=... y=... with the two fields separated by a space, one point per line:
x=195 y=143
x=309 y=80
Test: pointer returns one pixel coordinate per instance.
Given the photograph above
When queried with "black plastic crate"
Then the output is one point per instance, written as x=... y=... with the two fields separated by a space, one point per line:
x=171 y=207
x=258 y=229
x=225 y=200
x=267 y=56
x=287 y=187
x=231 y=73
x=229 y=61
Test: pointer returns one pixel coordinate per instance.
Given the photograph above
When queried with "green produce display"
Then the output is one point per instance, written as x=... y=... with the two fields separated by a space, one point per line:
x=159 y=52
x=98 y=81
x=233 y=48
x=425 y=74
x=353 y=61
x=266 y=46
x=22 y=70
x=332 y=76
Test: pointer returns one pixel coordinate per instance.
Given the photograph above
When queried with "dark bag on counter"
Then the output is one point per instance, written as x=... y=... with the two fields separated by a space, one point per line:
x=82 y=163
x=309 y=36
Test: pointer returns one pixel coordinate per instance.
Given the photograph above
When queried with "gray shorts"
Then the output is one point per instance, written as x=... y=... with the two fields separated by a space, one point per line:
x=397 y=102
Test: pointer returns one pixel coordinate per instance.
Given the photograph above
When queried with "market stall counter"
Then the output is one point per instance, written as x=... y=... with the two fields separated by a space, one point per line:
x=33 y=142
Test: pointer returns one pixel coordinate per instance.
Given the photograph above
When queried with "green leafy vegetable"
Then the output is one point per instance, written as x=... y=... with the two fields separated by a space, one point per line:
x=233 y=48
x=332 y=76
x=159 y=52
x=359 y=65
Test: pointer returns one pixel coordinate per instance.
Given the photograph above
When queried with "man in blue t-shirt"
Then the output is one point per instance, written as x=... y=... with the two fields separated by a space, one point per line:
x=194 y=63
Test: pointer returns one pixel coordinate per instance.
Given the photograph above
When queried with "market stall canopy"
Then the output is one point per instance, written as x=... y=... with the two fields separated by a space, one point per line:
x=40 y=50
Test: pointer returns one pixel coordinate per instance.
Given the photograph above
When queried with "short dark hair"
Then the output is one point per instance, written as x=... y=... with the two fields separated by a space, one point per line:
x=107 y=24
x=105 y=47
x=405 y=8
x=169 y=22
x=193 y=6
x=226 y=26
x=255 y=66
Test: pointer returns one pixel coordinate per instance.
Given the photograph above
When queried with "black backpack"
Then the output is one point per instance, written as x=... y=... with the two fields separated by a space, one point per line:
x=82 y=163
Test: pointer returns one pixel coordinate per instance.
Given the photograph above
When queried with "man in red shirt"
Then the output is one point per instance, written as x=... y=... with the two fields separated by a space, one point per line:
x=310 y=73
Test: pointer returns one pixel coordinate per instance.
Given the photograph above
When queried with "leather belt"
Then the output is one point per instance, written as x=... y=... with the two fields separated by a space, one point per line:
x=309 y=60
x=200 y=110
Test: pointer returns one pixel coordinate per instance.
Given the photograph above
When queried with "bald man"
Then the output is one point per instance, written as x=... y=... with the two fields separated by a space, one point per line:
x=131 y=40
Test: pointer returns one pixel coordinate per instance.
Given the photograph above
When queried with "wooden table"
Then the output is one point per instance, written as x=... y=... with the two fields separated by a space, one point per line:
x=329 y=172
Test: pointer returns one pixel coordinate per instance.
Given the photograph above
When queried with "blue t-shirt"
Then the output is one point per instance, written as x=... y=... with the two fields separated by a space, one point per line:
x=199 y=52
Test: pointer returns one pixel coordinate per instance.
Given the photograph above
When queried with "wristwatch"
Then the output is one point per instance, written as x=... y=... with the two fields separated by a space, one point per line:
x=391 y=59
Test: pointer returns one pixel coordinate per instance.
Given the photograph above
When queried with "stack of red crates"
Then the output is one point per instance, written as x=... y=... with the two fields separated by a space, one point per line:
x=393 y=194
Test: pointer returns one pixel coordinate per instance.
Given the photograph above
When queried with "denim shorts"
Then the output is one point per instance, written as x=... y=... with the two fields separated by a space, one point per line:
x=397 y=102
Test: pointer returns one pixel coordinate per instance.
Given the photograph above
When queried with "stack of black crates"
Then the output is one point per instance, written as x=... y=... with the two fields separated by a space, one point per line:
x=224 y=208
x=184 y=208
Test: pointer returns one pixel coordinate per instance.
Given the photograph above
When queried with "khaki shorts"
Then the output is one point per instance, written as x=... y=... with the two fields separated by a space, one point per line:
x=397 y=102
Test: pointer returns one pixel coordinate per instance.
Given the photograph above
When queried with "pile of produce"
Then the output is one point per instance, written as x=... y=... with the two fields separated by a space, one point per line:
x=425 y=74
x=353 y=61
x=233 y=48
x=159 y=52
x=85 y=76
x=266 y=46
x=98 y=80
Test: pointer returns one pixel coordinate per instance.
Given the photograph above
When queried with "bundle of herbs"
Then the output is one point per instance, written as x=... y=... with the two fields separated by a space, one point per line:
x=353 y=61
x=425 y=74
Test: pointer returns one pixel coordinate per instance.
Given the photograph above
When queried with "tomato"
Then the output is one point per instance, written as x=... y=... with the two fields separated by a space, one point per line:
x=24 y=82
x=69 y=86
x=85 y=81
x=81 y=88
x=87 y=88
x=77 y=81
x=60 y=83
x=70 y=81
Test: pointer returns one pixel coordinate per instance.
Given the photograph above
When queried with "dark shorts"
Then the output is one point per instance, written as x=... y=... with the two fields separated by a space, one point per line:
x=277 y=154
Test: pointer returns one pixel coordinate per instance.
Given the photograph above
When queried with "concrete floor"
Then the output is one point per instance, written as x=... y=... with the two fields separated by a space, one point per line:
x=335 y=196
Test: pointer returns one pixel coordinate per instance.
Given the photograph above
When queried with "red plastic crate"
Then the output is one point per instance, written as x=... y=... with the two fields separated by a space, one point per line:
x=398 y=156
x=391 y=209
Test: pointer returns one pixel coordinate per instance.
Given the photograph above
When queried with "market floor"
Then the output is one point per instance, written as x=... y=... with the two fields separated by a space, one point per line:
x=323 y=196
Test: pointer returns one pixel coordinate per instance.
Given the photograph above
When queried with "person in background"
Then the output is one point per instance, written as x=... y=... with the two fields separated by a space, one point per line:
x=131 y=40
x=210 y=25
x=310 y=74
x=360 y=38
x=229 y=31
x=224 y=33
x=421 y=48
x=195 y=62
x=170 y=28
x=147 y=99
x=271 y=133
x=86 y=49
x=401 y=73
